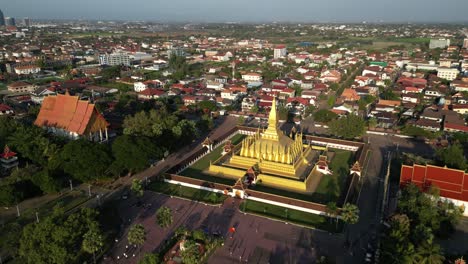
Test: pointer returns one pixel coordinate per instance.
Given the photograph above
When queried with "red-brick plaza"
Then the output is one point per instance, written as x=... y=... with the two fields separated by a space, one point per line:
x=256 y=240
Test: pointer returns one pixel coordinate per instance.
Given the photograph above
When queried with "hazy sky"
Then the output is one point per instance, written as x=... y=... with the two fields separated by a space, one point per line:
x=243 y=10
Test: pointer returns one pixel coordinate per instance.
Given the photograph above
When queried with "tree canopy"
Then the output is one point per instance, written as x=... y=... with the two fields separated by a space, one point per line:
x=136 y=235
x=164 y=217
x=452 y=156
x=324 y=116
x=349 y=127
x=57 y=238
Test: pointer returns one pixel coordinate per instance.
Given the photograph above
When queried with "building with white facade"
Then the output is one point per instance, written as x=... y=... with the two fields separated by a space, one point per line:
x=279 y=52
x=119 y=58
x=252 y=77
x=27 y=69
x=447 y=73
x=439 y=43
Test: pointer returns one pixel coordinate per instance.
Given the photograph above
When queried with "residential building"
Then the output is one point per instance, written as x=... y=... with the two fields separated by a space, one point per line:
x=139 y=87
x=5 y=109
x=279 y=52
x=119 y=58
x=452 y=183
x=27 y=69
x=252 y=77
x=465 y=43
x=447 y=73
x=248 y=103
x=439 y=43
x=69 y=116
x=38 y=95
x=151 y=93
x=21 y=87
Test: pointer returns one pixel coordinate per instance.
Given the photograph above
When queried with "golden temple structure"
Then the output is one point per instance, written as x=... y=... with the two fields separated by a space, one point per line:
x=283 y=161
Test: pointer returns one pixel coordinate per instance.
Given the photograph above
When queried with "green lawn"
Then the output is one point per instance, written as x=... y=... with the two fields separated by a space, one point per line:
x=3 y=86
x=196 y=170
x=292 y=216
x=187 y=192
x=331 y=186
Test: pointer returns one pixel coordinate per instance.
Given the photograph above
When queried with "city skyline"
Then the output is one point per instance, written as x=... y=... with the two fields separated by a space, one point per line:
x=243 y=11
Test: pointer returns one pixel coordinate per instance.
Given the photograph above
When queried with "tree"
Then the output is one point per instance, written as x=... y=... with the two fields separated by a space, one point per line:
x=164 y=217
x=149 y=258
x=350 y=214
x=324 y=116
x=332 y=210
x=57 y=238
x=349 y=127
x=452 y=156
x=309 y=110
x=137 y=187
x=133 y=153
x=372 y=122
x=241 y=120
x=84 y=160
x=136 y=235
x=331 y=100
x=191 y=253
x=93 y=241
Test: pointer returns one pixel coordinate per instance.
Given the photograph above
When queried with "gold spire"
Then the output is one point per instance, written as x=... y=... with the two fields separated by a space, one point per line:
x=272 y=131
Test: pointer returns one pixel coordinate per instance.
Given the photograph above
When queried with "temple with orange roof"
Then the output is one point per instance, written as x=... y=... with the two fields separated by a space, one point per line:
x=452 y=183
x=69 y=116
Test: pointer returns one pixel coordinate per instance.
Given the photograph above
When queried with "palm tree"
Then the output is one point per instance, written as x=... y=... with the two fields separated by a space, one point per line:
x=137 y=235
x=429 y=253
x=350 y=214
x=93 y=241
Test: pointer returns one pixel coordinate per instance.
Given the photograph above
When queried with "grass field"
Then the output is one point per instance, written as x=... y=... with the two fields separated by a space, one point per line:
x=292 y=216
x=196 y=170
x=187 y=192
x=331 y=186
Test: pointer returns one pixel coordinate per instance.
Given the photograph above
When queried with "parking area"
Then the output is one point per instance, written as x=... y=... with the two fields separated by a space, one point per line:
x=256 y=240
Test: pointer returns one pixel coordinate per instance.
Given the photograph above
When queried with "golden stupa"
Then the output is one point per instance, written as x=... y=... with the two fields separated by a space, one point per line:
x=273 y=151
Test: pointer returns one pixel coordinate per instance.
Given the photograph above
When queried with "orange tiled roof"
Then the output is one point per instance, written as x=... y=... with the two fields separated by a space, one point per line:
x=71 y=114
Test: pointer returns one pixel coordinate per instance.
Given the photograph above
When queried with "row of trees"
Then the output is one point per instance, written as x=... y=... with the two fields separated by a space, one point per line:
x=420 y=218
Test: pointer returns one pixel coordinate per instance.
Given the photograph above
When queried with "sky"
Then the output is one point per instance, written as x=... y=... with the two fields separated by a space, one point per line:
x=242 y=10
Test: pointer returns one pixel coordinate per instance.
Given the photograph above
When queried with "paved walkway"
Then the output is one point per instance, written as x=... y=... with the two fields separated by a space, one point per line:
x=256 y=240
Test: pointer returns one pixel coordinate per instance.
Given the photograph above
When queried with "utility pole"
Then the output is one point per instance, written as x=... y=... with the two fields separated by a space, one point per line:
x=89 y=190
x=71 y=185
x=37 y=217
x=17 y=210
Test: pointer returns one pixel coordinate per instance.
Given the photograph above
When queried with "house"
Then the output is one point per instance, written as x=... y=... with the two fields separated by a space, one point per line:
x=374 y=70
x=252 y=77
x=37 y=96
x=411 y=98
x=151 y=93
x=69 y=116
x=385 y=119
x=297 y=105
x=432 y=114
x=21 y=87
x=410 y=89
x=460 y=108
x=140 y=87
x=191 y=100
x=287 y=92
x=350 y=95
x=27 y=69
x=452 y=127
x=332 y=76
x=248 y=103
x=459 y=86
x=5 y=110
x=452 y=183
x=428 y=124
x=431 y=93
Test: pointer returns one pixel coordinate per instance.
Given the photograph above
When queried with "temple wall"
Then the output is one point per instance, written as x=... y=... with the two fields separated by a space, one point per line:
x=281 y=183
x=226 y=172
